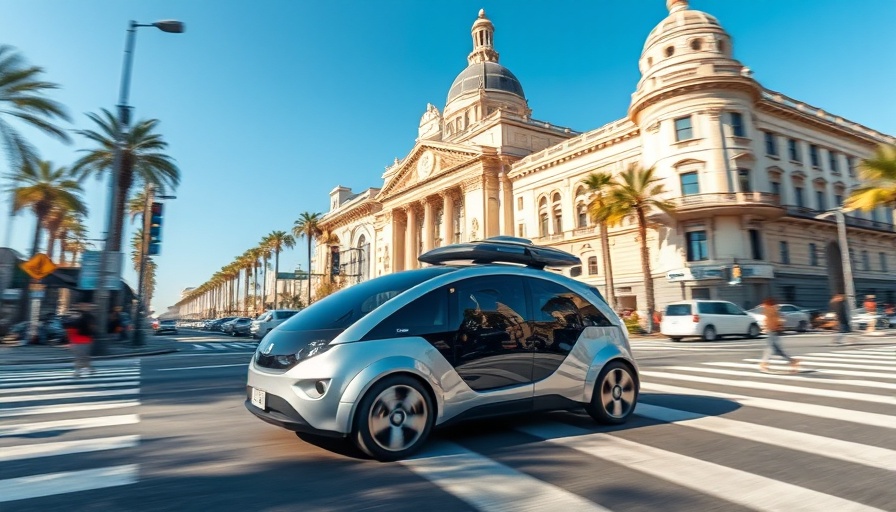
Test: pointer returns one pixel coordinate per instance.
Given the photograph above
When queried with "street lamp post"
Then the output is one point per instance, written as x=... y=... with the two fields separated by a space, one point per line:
x=110 y=269
x=845 y=260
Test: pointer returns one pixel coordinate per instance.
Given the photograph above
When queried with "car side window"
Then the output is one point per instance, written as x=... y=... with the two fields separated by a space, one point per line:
x=423 y=316
x=787 y=309
x=731 y=309
x=559 y=316
x=706 y=308
x=491 y=315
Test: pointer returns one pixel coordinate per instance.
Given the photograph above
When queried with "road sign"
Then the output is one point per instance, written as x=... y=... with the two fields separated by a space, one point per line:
x=89 y=274
x=39 y=266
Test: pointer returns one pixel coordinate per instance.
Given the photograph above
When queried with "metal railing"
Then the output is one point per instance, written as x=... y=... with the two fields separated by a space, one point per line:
x=725 y=198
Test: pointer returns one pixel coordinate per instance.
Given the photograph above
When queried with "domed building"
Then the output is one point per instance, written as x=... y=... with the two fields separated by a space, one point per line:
x=749 y=171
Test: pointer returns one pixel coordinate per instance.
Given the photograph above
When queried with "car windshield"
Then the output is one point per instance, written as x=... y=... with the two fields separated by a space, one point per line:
x=345 y=307
x=757 y=309
x=678 y=310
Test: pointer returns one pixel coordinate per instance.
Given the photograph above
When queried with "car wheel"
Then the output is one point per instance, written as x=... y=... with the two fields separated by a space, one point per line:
x=803 y=326
x=753 y=332
x=676 y=339
x=615 y=394
x=709 y=334
x=394 y=418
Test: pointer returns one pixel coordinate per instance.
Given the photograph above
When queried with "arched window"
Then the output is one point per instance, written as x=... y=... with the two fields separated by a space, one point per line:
x=582 y=215
x=543 y=217
x=557 y=213
x=363 y=248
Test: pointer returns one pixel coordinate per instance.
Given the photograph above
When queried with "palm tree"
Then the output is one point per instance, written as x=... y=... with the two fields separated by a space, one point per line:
x=142 y=158
x=277 y=241
x=57 y=223
x=265 y=246
x=41 y=189
x=22 y=97
x=634 y=194
x=136 y=205
x=72 y=237
x=597 y=184
x=879 y=172
x=307 y=226
x=256 y=253
x=149 y=267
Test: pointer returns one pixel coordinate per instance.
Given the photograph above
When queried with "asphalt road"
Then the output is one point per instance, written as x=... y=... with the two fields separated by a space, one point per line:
x=710 y=433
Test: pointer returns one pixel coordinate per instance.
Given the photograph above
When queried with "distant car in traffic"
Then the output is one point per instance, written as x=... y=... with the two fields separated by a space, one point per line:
x=163 y=326
x=707 y=319
x=240 y=326
x=793 y=318
x=268 y=320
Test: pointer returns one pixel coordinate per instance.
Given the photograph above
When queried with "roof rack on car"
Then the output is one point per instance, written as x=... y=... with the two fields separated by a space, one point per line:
x=501 y=249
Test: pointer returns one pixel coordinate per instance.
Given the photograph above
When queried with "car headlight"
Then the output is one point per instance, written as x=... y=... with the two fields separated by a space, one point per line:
x=312 y=349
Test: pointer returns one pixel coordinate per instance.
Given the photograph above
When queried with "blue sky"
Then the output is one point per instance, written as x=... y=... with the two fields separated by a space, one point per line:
x=269 y=104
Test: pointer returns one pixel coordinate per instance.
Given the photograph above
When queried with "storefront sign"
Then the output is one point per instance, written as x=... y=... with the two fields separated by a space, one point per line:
x=709 y=272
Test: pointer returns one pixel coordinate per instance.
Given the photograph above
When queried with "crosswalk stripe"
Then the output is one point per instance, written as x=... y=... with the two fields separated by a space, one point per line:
x=837 y=358
x=851 y=357
x=39 y=389
x=790 y=378
x=57 y=383
x=819 y=411
x=30 y=451
x=35 y=486
x=56 y=409
x=824 y=371
x=199 y=347
x=726 y=483
x=65 y=372
x=70 y=424
x=488 y=485
x=73 y=394
x=834 y=365
x=64 y=376
x=823 y=392
x=810 y=443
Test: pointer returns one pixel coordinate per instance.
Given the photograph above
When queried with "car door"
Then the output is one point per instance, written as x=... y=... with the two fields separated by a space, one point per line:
x=738 y=318
x=789 y=316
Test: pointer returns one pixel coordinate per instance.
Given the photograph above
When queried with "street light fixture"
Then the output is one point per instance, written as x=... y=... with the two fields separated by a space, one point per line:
x=110 y=271
x=845 y=260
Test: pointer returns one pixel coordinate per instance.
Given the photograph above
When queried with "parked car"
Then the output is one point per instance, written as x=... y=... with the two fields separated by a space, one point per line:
x=707 y=319
x=792 y=317
x=240 y=326
x=218 y=324
x=163 y=326
x=50 y=331
x=268 y=320
x=385 y=361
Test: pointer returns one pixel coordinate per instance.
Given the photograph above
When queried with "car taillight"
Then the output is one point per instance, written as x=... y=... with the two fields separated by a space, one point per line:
x=696 y=318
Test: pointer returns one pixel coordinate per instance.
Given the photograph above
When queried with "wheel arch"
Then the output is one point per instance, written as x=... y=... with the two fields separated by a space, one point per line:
x=607 y=356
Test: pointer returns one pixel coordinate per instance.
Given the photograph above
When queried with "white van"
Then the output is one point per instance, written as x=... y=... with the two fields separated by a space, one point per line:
x=268 y=320
x=707 y=319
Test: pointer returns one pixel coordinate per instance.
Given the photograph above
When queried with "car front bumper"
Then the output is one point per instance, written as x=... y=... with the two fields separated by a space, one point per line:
x=281 y=413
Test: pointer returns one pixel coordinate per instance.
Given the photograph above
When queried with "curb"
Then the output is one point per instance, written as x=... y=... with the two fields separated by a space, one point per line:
x=92 y=358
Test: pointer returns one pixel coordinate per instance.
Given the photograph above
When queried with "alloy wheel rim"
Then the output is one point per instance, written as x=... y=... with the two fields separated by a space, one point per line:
x=617 y=393
x=397 y=418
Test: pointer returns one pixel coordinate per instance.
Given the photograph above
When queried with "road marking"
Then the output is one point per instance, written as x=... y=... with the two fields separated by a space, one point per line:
x=63 y=396
x=48 y=484
x=790 y=378
x=56 y=409
x=199 y=347
x=850 y=356
x=833 y=365
x=69 y=376
x=847 y=359
x=810 y=443
x=38 y=389
x=733 y=485
x=823 y=371
x=65 y=425
x=200 y=367
x=30 y=451
x=823 y=392
x=58 y=383
x=819 y=411
x=488 y=485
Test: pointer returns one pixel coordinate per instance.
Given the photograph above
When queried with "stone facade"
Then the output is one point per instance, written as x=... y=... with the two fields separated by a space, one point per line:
x=748 y=169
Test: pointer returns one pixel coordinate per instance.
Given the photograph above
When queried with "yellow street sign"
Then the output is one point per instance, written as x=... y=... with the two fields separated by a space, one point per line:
x=39 y=266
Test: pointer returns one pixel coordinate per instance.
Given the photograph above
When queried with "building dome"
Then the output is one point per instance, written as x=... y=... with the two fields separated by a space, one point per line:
x=489 y=76
x=681 y=22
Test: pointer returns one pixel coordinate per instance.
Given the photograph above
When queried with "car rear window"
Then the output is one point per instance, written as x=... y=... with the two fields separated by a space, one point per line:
x=678 y=310
x=282 y=315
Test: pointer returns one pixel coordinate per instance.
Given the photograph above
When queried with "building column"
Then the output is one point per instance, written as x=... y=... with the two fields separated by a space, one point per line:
x=410 y=239
x=447 y=218
x=428 y=228
x=396 y=258
x=719 y=169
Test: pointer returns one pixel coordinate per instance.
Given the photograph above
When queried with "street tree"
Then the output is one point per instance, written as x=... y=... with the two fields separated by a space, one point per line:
x=277 y=241
x=142 y=160
x=878 y=175
x=634 y=194
x=598 y=184
x=41 y=188
x=308 y=226
x=23 y=98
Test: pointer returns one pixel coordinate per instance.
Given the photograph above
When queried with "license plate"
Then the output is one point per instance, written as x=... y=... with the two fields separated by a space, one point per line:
x=258 y=398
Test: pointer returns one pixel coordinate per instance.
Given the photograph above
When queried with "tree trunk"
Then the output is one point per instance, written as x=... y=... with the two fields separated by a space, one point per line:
x=124 y=187
x=35 y=246
x=276 y=271
x=309 y=273
x=608 y=265
x=51 y=244
x=264 y=285
x=645 y=268
x=246 y=291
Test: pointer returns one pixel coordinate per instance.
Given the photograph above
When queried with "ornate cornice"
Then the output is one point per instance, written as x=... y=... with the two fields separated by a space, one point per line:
x=793 y=114
x=354 y=214
x=699 y=84
x=532 y=166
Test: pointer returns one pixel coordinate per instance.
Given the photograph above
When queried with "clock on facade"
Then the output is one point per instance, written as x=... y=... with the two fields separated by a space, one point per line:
x=425 y=164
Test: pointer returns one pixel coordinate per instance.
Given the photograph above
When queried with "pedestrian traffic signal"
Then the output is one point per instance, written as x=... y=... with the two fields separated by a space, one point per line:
x=334 y=260
x=155 y=229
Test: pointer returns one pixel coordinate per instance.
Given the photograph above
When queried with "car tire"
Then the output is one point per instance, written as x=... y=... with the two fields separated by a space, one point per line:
x=394 y=418
x=753 y=331
x=709 y=333
x=615 y=394
x=803 y=326
x=676 y=339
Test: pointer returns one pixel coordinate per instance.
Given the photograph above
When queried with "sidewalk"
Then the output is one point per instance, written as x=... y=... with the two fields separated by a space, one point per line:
x=39 y=354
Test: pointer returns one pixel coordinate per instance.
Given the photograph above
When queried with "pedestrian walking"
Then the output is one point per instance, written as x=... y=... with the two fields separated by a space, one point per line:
x=81 y=335
x=837 y=306
x=774 y=326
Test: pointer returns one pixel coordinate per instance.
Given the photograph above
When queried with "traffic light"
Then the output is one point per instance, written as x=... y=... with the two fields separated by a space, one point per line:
x=735 y=274
x=155 y=229
x=334 y=260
